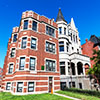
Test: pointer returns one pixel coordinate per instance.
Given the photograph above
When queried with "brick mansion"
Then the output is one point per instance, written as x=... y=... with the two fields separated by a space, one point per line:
x=44 y=56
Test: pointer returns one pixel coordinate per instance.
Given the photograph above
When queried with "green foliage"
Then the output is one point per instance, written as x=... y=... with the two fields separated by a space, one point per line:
x=9 y=96
x=95 y=71
x=81 y=94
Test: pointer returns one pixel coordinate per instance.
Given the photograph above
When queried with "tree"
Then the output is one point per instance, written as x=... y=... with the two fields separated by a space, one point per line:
x=95 y=71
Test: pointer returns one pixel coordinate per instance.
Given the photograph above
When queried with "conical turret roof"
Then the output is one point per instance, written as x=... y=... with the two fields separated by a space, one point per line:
x=60 y=16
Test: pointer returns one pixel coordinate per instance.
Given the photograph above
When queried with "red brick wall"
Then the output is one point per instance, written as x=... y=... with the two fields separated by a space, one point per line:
x=40 y=53
x=87 y=49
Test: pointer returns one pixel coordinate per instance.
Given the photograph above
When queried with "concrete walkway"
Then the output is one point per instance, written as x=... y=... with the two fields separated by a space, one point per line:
x=66 y=96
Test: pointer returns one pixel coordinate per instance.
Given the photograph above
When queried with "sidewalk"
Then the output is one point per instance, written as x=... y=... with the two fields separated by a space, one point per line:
x=66 y=96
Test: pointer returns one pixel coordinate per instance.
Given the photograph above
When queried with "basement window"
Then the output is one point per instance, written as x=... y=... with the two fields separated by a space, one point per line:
x=30 y=86
x=19 y=86
x=8 y=85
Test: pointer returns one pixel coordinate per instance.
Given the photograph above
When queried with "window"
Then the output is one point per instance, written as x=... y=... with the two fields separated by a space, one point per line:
x=60 y=30
x=71 y=36
x=62 y=68
x=34 y=26
x=8 y=85
x=63 y=85
x=33 y=43
x=12 y=54
x=19 y=86
x=30 y=86
x=72 y=48
x=50 y=31
x=67 y=47
x=80 y=85
x=74 y=37
x=77 y=50
x=50 y=47
x=64 y=30
x=72 y=84
x=24 y=42
x=22 y=63
x=61 y=46
x=32 y=63
x=50 y=65
x=10 y=68
x=15 y=38
x=26 y=24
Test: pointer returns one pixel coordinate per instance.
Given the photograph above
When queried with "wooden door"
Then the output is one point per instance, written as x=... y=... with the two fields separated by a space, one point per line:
x=50 y=84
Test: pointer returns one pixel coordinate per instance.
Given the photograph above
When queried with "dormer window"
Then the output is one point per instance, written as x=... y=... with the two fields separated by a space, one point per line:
x=60 y=30
x=15 y=38
x=50 y=31
x=25 y=24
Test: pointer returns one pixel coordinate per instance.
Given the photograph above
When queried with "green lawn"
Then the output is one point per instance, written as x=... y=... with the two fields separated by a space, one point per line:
x=79 y=95
x=8 y=96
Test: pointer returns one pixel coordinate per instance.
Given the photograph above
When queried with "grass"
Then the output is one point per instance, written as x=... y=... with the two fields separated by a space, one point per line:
x=79 y=95
x=9 y=96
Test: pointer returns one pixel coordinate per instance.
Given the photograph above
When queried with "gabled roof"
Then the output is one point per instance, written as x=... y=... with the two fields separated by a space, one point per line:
x=95 y=40
x=60 y=16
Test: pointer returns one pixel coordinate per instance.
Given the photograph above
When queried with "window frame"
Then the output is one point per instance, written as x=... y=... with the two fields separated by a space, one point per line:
x=34 y=64
x=33 y=25
x=12 y=53
x=20 y=87
x=14 y=40
x=20 y=63
x=34 y=44
x=22 y=47
x=52 y=62
x=51 y=49
x=24 y=27
x=63 y=66
x=60 y=30
x=61 y=45
x=10 y=68
x=31 y=86
x=8 y=86
x=49 y=31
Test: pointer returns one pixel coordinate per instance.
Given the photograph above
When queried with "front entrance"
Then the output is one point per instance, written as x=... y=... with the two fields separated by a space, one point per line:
x=50 y=84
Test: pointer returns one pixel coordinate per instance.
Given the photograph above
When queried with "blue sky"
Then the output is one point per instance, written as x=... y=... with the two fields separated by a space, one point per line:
x=86 y=14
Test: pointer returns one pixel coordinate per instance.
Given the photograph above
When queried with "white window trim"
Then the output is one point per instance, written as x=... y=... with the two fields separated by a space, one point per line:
x=52 y=60
x=8 y=68
x=13 y=37
x=10 y=52
x=36 y=43
x=22 y=87
x=52 y=43
x=32 y=71
x=26 y=42
x=19 y=63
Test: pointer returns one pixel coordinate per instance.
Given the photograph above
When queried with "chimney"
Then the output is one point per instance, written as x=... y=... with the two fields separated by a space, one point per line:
x=86 y=40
